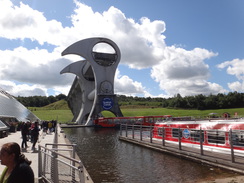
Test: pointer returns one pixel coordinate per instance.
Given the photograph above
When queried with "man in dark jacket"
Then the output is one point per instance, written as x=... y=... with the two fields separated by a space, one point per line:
x=24 y=133
x=35 y=134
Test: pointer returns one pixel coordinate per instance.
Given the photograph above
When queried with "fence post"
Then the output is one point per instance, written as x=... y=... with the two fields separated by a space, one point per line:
x=39 y=162
x=126 y=133
x=81 y=173
x=231 y=146
x=179 y=138
x=141 y=132
x=44 y=162
x=201 y=141
x=120 y=129
x=163 y=136
x=73 y=163
x=133 y=135
x=150 y=134
x=54 y=167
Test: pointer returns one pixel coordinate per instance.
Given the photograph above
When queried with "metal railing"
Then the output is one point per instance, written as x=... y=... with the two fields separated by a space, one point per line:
x=59 y=165
x=231 y=143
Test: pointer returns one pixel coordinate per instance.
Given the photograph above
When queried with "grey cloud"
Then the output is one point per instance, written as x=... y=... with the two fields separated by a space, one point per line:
x=44 y=74
x=26 y=93
x=18 y=21
x=181 y=72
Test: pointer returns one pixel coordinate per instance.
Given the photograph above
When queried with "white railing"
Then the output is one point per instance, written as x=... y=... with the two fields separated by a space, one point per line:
x=213 y=140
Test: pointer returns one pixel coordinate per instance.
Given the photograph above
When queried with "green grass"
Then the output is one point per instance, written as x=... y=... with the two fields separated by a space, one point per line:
x=62 y=116
x=175 y=112
x=56 y=111
x=62 y=104
x=60 y=111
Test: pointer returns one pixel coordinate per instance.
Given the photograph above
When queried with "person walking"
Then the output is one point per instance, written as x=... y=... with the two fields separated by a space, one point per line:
x=24 y=133
x=50 y=126
x=17 y=168
x=35 y=134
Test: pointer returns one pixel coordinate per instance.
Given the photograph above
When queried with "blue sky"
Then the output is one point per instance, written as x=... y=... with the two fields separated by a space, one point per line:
x=168 y=46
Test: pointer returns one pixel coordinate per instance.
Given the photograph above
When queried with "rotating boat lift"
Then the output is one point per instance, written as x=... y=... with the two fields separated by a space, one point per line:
x=93 y=88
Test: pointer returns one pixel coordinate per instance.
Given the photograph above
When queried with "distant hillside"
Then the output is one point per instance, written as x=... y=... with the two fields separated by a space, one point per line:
x=63 y=105
x=59 y=105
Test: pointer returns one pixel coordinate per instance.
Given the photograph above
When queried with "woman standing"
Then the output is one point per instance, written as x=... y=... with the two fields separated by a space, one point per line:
x=17 y=168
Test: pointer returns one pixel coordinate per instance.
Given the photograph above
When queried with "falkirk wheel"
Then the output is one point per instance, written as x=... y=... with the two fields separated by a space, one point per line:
x=93 y=88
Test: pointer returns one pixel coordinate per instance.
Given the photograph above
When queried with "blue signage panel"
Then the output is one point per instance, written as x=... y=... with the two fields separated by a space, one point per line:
x=107 y=103
x=186 y=133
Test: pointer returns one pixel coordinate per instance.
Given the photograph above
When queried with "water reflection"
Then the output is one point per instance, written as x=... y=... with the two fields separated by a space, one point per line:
x=108 y=159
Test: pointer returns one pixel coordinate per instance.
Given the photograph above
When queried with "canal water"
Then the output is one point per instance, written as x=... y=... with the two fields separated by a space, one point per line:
x=107 y=159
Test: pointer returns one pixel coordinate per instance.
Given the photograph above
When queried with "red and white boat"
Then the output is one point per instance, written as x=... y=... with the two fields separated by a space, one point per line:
x=114 y=122
x=215 y=133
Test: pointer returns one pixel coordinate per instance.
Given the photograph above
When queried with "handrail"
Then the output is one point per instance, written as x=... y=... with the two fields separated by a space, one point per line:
x=203 y=140
x=57 y=167
x=54 y=151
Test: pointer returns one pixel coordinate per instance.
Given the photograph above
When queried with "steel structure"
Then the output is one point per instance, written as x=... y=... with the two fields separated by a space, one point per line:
x=93 y=89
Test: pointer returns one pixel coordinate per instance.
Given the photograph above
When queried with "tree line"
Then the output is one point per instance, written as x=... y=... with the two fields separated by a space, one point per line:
x=200 y=102
x=40 y=101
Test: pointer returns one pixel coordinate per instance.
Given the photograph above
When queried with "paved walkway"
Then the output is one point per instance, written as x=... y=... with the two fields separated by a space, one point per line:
x=33 y=156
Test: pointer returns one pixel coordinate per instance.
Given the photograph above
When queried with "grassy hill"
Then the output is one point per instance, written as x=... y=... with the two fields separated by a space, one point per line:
x=60 y=105
x=61 y=112
x=56 y=111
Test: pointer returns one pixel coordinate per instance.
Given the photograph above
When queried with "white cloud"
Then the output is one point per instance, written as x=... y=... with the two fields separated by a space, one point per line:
x=22 y=89
x=235 y=68
x=184 y=72
x=126 y=86
x=236 y=86
x=142 y=45
x=38 y=68
x=21 y=22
